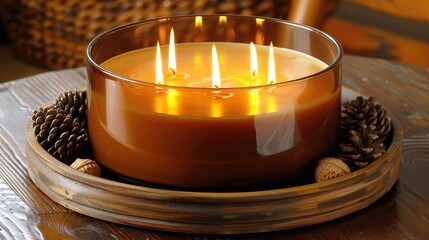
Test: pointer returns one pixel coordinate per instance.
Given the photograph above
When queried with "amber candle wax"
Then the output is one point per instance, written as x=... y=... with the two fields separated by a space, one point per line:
x=185 y=132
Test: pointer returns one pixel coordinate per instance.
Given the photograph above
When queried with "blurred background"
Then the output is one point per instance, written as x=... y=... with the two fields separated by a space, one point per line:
x=40 y=35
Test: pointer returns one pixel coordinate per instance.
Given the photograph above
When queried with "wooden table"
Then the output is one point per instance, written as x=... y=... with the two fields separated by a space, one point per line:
x=403 y=213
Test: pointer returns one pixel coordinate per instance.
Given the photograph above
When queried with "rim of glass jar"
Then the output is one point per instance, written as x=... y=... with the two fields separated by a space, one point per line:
x=337 y=60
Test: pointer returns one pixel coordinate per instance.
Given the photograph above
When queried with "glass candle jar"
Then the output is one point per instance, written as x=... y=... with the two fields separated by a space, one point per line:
x=214 y=119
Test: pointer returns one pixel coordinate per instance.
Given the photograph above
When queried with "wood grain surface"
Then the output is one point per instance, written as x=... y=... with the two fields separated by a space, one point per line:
x=26 y=213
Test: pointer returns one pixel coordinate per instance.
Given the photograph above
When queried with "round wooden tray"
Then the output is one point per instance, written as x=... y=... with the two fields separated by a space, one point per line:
x=213 y=212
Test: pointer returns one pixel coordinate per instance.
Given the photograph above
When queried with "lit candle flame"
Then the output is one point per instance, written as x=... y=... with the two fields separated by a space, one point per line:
x=198 y=22
x=172 y=54
x=159 y=78
x=215 y=69
x=271 y=67
x=260 y=22
x=253 y=60
x=222 y=20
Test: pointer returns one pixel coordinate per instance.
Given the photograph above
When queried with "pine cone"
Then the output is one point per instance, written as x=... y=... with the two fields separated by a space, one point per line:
x=356 y=112
x=73 y=102
x=364 y=129
x=61 y=128
x=42 y=121
x=383 y=124
x=362 y=147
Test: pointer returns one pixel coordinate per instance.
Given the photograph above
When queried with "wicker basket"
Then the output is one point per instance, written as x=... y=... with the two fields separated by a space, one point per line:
x=54 y=33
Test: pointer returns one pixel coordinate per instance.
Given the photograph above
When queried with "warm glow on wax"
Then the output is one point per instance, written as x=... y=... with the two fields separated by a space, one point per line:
x=172 y=53
x=253 y=60
x=172 y=105
x=215 y=69
x=254 y=102
x=271 y=67
x=159 y=75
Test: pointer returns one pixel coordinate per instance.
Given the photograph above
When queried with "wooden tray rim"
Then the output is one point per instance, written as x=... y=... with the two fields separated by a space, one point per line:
x=151 y=192
x=143 y=192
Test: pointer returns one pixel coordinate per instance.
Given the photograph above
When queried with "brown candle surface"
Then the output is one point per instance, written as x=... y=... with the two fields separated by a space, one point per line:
x=242 y=135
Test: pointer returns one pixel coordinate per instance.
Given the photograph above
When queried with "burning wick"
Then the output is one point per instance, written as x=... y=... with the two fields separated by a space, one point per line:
x=172 y=69
x=172 y=53
x=159 y=76
x=253 y=60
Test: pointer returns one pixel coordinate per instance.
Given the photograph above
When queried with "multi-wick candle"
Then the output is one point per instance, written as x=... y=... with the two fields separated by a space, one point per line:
x=233 y=102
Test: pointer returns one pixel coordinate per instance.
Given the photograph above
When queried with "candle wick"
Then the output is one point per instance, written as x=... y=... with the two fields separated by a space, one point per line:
x=254 y=73
x=174 y=72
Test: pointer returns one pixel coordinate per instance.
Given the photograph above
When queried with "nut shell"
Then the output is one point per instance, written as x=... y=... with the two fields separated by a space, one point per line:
x=87 y=166
x=329 y=168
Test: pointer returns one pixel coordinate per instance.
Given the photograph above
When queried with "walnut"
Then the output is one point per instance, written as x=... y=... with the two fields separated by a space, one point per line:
x=87 y=166
x=329 y=168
